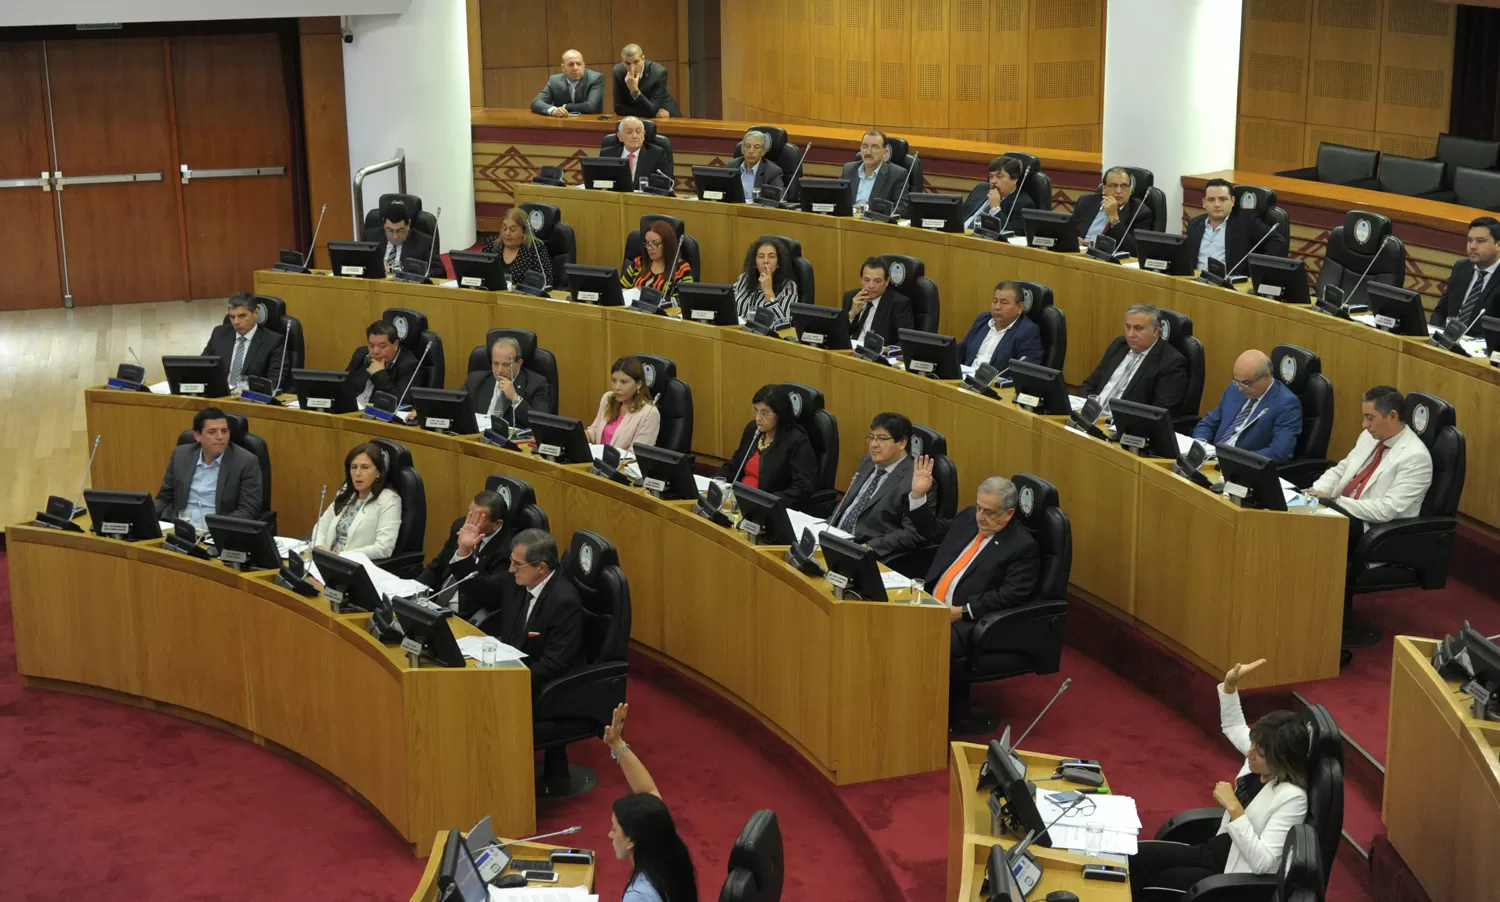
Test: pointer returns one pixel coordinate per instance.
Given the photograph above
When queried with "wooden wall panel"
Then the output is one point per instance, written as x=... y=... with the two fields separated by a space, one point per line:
x=856 y=72
x=767 y=21
x=796 y=60
x=582 y=25
x=890 y=70
x=1067 y=63
x=1006 y=76
x=1274 y=59
x=929 y=78
x=1345 y=62
x=517 y=87
x=1416 y=67
x=513 y=34
x=826 y=82
x=325 y=126
x=1268 y=145
x=33 y=276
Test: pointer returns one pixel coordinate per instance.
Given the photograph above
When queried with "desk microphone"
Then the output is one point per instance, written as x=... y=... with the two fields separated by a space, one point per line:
x=401 y=274
x=895 y=214
x=312 y=247
x=1229 y=274
x=1060 y=690
x=286 y=341
x=135 y=358
x=414 y=375
x=86 y=469
x=449 y=592
x=748 y=452
x=540 y=836
x=322 y=495
x=1376 y=256
x=792 y=180
x=1120 y=248
x=1008 y=213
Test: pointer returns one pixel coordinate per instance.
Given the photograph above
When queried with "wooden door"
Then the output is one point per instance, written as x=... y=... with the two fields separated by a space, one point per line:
x=32 y=275
x=231 y=101
x=111 y=114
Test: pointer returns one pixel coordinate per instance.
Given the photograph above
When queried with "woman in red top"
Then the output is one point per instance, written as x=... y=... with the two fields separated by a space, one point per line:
x=774 y=454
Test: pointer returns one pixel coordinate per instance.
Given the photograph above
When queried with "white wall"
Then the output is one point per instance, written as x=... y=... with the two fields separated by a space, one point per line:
x=74 y=12
x=1171 y=88
x=406 y=85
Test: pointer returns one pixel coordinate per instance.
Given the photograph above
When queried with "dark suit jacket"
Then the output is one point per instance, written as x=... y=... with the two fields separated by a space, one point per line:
x=1011 y=205
x=1002 y=575
x=885 y=525
x=415 y=247
x=652 y=159
x=1240 y=234
x=892 y=314
x=767 y=173
x=1274 y=426
x=788 y=469
x=552 y=639
x=1088 y=207
x=654 y=94
x=1458 y=286
x=238 y=492
x=1023 y=340
x=393 y=380
x=890 y=180
x=1161 y=380
x=555 y=93
x=535 y=392
x=264 y=357
x=492 y=563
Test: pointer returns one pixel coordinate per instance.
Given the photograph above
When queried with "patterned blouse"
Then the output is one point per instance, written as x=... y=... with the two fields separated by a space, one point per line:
x=639 y=275
x=346 y=519
x=748 y=298
x=529 y=257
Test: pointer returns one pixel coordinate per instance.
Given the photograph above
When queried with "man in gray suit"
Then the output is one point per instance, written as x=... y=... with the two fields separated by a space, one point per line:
x=213 y=476
x=872 y=176
x=875 y=509
x=575 y=90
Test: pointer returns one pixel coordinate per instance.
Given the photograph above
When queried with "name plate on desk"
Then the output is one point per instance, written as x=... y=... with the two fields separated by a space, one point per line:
x=1155 y=265
x=319 y=403
x=1268 y=291
x=1235 y=490
x=837 y=580
x=471 y=282
x=1043 y=241
x=922 y=366
x=1495 y=358
x=233 y=557
x=114 y=529
x=438 y=422
x=1028 y=401
x=412 y=646
x=750 y=528
x=191 y=388
x=655 y=485
x=713 y=195
x=549 y=450
x=822 y=208
x=1132 y=441
x=705 y=316
x=334 y=595
x=591 y=296
x=811 y=338
x=351 y=270
x=934 y=223
x=604 y=184
x=1385 y=322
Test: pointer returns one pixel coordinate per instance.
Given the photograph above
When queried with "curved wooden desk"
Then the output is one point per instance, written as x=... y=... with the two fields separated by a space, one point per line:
x=568 y=874
x=426 y=748
x=970 y=838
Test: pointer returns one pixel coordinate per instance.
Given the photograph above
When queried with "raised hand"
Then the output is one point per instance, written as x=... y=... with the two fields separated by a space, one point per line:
x=469 y=534
x=614 y=734
x=921 y=477
x=1238 y=672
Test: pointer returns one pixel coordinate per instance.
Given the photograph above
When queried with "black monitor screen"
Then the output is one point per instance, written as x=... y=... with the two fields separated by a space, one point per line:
x=1144 y=428
x=852 y=567
x=594 y=284
x=1051 y=229
x=721 y=183
x=1280 y=278
x=1251 y=479
x=427 y=626
x=1484 y=657
x=606 y=173
x=1490 y=326
x=357 y=259
x=823 y=327
x=1039 y=389
x=930 y=354
x=205 y=377
x=766 y=515
x=825 y=196
x=668 y=474
x=1396 y=309
x=942 y=212
x=444 y=410
x=248 y=544
x=122 y=515
x=345 y=582
x=560 y=439
x=1002 y=880
x=476 y=269
x=326 y=391
x=707 y=302
x=1024 y=817
x=1163 y=252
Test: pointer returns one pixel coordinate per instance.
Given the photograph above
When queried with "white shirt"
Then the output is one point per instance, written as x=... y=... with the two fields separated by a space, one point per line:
x=536 y=592
x=912 y=503
x=991 y=342
x=1124 y=372
x=632 y=157
x=869 y=314
x=1212 y=245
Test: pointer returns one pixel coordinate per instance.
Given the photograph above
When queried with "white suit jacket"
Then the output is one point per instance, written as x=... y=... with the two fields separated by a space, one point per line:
x=373 y=531
x=1260 y=835
x=1398 y=486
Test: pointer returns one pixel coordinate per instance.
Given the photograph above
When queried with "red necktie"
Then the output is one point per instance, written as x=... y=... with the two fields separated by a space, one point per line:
x=1356 y=486
x=632 y=164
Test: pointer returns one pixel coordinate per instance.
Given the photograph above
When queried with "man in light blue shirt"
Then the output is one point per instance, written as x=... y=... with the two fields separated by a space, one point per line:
x=871 y=177
x=212 y=475
x=1217 y=204
x=757 y=172
x=204 y=486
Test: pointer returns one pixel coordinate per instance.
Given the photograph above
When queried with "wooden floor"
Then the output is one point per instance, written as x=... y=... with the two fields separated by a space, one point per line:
x=47 y=358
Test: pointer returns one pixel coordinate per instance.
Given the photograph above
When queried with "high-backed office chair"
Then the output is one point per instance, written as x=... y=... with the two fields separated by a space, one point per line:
x=898 y=151
x=580 y=704
x=1301 y=371
x=1036 y=298
x=240 y=434
x=1340 y=164
x=674 y=402
x=1360 y=251
x=1301 y=877
x=562 y=244
x=807 y=286
x=1143 y=188
x=1257 y=202
x=636 y=247
x=422 y=222
x=1177 y=330
x=521 y=510
x=756 y=862
x=400 y=476
x=822 y=430
x=539 y=360
x=909 y=276
x=1470 y=152
x=1037 y=184
x=412 y=332
x=1409 y=176
x=926 y=441
x=612 y=139
x=783 y=153
x=1476 y=188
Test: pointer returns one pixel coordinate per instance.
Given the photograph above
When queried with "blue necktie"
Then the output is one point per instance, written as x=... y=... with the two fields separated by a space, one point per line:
x=861 y=501
x=1240 y=418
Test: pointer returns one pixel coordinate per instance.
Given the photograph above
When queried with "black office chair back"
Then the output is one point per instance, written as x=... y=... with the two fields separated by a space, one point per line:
x=1436 y=423
x=543 y=217
x=802 y=268
x=822 y=430
x=1324 y=740
x=1476 y=188
x=1409 y=176
x=1301 y=371
x=1471 y=153
x=593 y=565
x=1037 y=300
x=539 y=360
x=1301 y=877
x=1177 y=330
x=1357 y=245
x=1038 y=185
x=1340 y=164
x=674 y=402
x=784 y=154
x=1258 y=202
x=899 y=152
x=522 y=511
x=403 y=478
x=1325 y=802
x=240 y=434
x=739 y=886
x=909 y=276
x=416 y=338
x=928 y=441
x=758 y=852
x=1038 y=506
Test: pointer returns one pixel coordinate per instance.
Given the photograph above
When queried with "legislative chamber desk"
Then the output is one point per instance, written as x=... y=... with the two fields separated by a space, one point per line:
x=1442 y=780
x=427 y=748
x=970 y=837
x=567 y=874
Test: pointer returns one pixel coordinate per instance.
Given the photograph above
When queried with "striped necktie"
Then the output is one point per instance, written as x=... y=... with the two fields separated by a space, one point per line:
x=239 y=360
x=1471 y=302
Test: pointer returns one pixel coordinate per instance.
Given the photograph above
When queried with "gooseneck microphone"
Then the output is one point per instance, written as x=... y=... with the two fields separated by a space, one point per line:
x=1119 y=248
x=312 y=247
x=538 y=836
x=87 y=468
x=905 y=186
x=1060 y=690
x=415 y=373
x=286 y=341
x=667 y=275
x=792 y=179
x=1256 y=246
x=748 y=452
x=449 y=592
x=1355 y=290
x=134 y=357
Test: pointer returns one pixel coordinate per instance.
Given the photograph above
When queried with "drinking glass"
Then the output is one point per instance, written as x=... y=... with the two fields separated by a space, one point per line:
x=1093 y=838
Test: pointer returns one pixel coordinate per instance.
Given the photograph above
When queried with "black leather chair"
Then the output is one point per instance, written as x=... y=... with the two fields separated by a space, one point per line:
x=1177 y=330
x=909 y=276
x=1476 y=188
x=558 y=236
x=1037 y=299
x=1259 y=202
x=412 y=331
x=1409 y=176
x=539 y=360
x=1468 y=152
x=580 y=704
x=783 y=153
x=521 y=510
x=421 y=221
x=635 y=246
x=899 y=152
x=1351 y=249
x=1301 y=877
x=822 y=430
x=1143 y=188
x=674 y=402
x=928 y=441
x=240 y=434
x=1301 y=371
x=756 y=862
x=807 y=285
x=612 y=139
x=1340 y=164
x=407 y=559
x=1038 y=184
x=1027 y=638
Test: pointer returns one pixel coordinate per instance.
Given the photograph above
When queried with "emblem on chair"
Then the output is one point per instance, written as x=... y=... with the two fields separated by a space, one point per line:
x=537 y=220
x=261 y=313
x=504 y=491
x=586 y=559
x=1166 y=329
x=1026 y=299
x=401 y=327
x=898 y=272
x=916 y=446
x=1362 y=230
x=796 y=398
x=650 y=371
x=1028 y=501
x=1288 y=369
x=1419 y=418
x=1247 y=200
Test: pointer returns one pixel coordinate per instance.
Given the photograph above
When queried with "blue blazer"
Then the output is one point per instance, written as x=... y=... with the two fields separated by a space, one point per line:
x=1276 y=422
x=1023 y=340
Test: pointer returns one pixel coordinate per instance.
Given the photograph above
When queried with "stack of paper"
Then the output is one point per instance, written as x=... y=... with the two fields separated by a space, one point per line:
x=630 y=296
x=1069 y=826
x=542 y=894
x=801 y=521
x=470 y=646
x=385 y=583
x=894 y=581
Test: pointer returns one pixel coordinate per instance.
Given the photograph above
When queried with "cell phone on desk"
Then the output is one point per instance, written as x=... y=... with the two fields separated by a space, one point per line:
x=540 y=876
x=571 y=856
x=1065 y=798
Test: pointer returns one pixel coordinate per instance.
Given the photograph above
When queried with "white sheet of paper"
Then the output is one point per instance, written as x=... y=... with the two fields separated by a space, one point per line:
x=160 y=388
x=1114 y=842
x=598 y=452
x=894 y=580
x=1114 y=812
x=385 y=583
x=1185 y=442
x=470 y=646
x=1076 y=403
x=293 y=404
x=701 y=482
x=450 y=283
x=631 y=296
x=166 y=526
x=1017 y=240
x=1366 y=318
x=801 y=521
x=482 y=421
x=1131 y=264
x=285 y=545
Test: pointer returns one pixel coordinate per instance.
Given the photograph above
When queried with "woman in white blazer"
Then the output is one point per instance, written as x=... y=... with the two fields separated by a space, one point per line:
x=626 y=414
x=365 y=516
x=1267 y=799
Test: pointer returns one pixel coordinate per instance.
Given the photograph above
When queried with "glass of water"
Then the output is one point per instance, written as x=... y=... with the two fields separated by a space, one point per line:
x=916 y=591
x=489 y=653
x=1093 y=833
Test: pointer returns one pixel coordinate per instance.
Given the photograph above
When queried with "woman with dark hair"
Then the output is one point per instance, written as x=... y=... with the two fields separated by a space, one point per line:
x=766 y=280
x=365 y=515
x=1267 y=799
x=519 y=250
x=774 y=455
x=626 y=414
x=650 y=269
x=643 y=833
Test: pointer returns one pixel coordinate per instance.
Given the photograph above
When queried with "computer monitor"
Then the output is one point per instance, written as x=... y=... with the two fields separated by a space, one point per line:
x=1164 y=252
x=823 y=327
x=122 y=515
x=1484 y=658
x=328 y=391
x=458 y=877
x=1250 y=479
x=560 y=439
x=765 y=519
x=938 y=212
x=1021 y=814
x=1282 y=279
x=1396 y=309
x=428 y=633
x=1039 y=389
x=444 y=410
x=1050 y=229
x=606 y=173
x=346 y=584
x=1144 y=428
x=829 y=196
x=852 y=569
x=204 y=377
x=721 y=183
x=667 y=474
x=476 y=269
x=243 y=543
x=707 y=302
x=1490 y=327
x=999 y=877
x=928 y=353
x=598 y=285
x=356 y=259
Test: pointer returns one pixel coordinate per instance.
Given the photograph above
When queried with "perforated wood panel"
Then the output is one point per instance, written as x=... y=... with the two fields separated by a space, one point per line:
x=1345 y=51
x=1406 y=145
x=1315 y=134
x=1268 y=145
x=1066 y=72
x=1273 y=58
x=1067 y=137
x=1416 y=73
x=856 y=43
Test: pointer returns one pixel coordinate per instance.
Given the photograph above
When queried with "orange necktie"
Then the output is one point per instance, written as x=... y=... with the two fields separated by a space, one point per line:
x=957 y=567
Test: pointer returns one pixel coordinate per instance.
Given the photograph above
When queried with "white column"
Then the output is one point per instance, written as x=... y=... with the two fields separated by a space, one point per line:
x=1171 y=89
x=406 y=85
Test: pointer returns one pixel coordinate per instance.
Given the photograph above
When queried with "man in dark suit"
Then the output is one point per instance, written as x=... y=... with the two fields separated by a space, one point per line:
x=1257 y=412
x=1219 y=233
x=506 y=390
x=644 y=158
x=1140 y=365
x=872 y=177
x=213 y=476
x=1000 y=196
x=399 y=242
x=575 y=90
x=246 y=348
x=478 y=549
x=755 y=170
x=382 y=364
x=543 y=615
x=1472 y=291
x=641 y=86
x=1004 y=334
x=875 y=509
x=1112 y=211
x=875 y=306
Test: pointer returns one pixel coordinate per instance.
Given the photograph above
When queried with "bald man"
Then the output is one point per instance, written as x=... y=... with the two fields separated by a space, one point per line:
x=574 y=91
x=1257 y=413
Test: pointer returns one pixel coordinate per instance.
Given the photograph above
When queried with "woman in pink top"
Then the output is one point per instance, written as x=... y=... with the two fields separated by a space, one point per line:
x=626 y=414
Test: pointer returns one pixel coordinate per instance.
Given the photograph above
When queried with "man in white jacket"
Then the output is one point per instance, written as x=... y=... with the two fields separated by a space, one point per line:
x=1387 y=475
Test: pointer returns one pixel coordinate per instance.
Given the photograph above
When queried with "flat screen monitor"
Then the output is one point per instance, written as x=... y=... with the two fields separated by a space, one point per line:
x=594 y=284
x=1050 y=229
x=667 y=474
x=1164 y=252
x=852 y=568
x=204 y=377
x=122 y=515
x=606 y=173
x=1000 y=878
x=937 y=212
x=458 y=878
x=246 y=544
x=1039 y=389
x=1023 y=817
x=829 y=196
x=328 y=391
x=426 y=625
x=822 y=327
x=720 y=183
x=709 y=303
x=1396 y=309
x=1281 y=279
x=356 y=259
x=1490 y=327
x=444 y=410
x=930 y=354
x=1251 y=479
x=345 y=583
x=476 y=269
x=560 y=439
x=1484 y=657
x=1144 y=428
x=765 y=515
